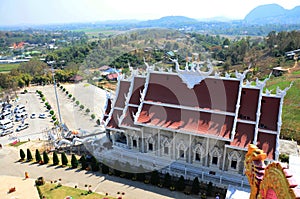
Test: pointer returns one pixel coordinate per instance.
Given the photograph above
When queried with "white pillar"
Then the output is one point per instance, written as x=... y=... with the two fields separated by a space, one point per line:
x=143 y=144
x=174 y=146
x=190 y=150
x=158 y=144
x=207 y=147
x=224 y=158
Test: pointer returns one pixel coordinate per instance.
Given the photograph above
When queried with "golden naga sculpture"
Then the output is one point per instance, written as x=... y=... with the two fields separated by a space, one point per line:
x=271 y=182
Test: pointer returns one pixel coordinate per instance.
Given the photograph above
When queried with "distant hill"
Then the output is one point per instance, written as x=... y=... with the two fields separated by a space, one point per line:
x=169 y=22
x=273 y=14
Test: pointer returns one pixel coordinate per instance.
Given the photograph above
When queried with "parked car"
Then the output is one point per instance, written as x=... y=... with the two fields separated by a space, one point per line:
x=33 y=115
x=22 y=127
x=42 y=115
x=21 y=116
x=6 y=132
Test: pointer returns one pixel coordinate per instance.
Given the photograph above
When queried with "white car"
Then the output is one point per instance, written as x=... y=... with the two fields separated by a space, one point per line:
x=42 y=115
x=22 y=127
x=6 y=132
x=33 y=115
x=21 y=117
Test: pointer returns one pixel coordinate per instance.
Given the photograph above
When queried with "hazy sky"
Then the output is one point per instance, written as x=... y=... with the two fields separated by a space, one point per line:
x=14 y=12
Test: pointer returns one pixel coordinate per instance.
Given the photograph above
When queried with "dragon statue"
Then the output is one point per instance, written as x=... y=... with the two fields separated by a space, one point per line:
x=268 y=182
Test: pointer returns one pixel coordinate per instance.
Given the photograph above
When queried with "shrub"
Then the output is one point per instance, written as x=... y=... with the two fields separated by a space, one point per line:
x=53 y=118
x=94 y=164
x=81 y=107
x=77 y=102
x=45 y=157
x=29 y=155
x=74 y=161
x=83 y=162
x=64 y=159
x=56 y=123
x=87 y=110
x=167 y=180
x=180 y=185
x=51 y=112
x=70 y=95
x=73 y=99
x=55 y=158
x=25 y=91
x=22 y=154
x=93 y=116
x=43 y=99
x=98 y=122
x=154 y=180
x=67 y=92
x=38 y=157
x=64 y=89
x=61 y=87
x=195 y=186
x=40 y=181
x=284 y=157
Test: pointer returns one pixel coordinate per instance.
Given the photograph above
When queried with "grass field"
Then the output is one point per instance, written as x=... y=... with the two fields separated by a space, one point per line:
x=291 y=107
x=5 y=68
x=53 y=191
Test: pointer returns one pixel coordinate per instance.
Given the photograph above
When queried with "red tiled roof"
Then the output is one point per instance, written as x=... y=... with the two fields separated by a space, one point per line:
x=244 y=135
x=186 y=120
x=249 y=103
x=210 y=93
x=123 y=90
x=76 y=78
x=128 y=119
x=113 y=122
x=112 y=76
x=269 y=112
x=138 y=86
x=108 y=107
x=267 y=142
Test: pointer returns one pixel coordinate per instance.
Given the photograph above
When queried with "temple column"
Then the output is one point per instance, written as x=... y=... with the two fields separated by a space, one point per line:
x=224 y=158
x=143 y=144
x=207 y=148
x=158 y=144
x=174 y=146
x=190 y=150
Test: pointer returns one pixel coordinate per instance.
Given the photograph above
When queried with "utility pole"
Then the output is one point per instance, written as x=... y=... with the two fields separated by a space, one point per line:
x=56 y=96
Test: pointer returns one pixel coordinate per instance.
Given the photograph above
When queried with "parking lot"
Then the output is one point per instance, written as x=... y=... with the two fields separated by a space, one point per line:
x=36 y=126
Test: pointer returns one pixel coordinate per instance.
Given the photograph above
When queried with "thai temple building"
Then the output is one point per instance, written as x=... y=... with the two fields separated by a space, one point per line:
x=192 y=121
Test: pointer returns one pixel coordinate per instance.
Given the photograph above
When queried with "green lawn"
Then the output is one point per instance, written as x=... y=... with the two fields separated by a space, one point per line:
x=291 y=107
x=52 y=191
x=4 y=68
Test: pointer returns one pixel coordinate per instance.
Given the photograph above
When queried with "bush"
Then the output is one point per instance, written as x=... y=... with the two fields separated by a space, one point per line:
x=93 y=116
x=77 y=102
x=167 y=180
x=73 y=99
x=180 y=185
x=61 y=87
x=98 y=122
x=70 y=95
x=74 y=161
x=64 y=89
x=29 y=155
x=53 y=118
x=25 y=91
x=55 y=158
x=83 y=162
x=195 y=186
x=284 y=157
x=67 y=92
x=43 y=99
x=81 y=107
x=64 y=159
x=40 y=181
x=45 y=157
x=38 y=157
x=51 y=112
x=22 y=154
x=87 y=110
x=154 y=180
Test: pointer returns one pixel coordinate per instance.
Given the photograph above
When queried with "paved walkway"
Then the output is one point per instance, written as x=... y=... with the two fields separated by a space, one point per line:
x=9 y=166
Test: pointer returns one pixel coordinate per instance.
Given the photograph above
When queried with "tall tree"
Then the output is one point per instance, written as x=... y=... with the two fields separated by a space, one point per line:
x=55 y=158
x=45 y=157
x=180 y=185
x=64 y=159
x=195 y=186
x=38 y=157
x=22 y=154
x=74 y=161
x=83 y=162
x=29 y=155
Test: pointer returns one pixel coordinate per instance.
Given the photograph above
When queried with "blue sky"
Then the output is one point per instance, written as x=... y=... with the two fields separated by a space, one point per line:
x=17 y=12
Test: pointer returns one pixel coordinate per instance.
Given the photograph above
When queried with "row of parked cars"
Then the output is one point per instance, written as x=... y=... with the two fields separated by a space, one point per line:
x=7 y=120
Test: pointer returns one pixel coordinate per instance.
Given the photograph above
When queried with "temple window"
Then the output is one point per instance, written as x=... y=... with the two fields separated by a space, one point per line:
x=150 y=147
x=166 y=150
x=234 y=160
x=165 y=146
x=215 y=155
x=134 y=143
x=181 y=153
x=198 y=152
x=181 y=150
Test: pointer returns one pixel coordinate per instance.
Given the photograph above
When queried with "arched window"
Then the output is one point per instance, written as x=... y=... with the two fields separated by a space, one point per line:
x=150 y=144
x=181 y=150
x=198 y=153
x=134 y=141
x=165 y=146
x=234 y=158
x=215 y=156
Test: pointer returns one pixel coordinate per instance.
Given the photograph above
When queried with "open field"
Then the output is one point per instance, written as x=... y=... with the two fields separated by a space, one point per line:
x=53 y=191
x=5 y=68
